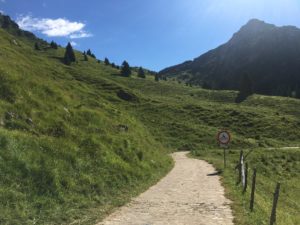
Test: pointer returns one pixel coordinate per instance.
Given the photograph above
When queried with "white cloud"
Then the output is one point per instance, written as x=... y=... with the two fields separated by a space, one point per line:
x=53 y=27
x=81 y=34
x=73 y=43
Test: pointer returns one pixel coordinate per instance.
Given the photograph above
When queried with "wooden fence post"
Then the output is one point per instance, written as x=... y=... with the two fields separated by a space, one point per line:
x=275 y=200
x=253 y=190
x=240 y=168
x=246 y=179
x=243 y=171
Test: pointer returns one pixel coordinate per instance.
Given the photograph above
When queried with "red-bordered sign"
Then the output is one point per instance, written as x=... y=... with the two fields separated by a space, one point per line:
x=224 y=137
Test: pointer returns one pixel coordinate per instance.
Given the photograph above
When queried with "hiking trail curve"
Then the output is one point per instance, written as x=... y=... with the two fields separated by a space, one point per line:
x=190 y=194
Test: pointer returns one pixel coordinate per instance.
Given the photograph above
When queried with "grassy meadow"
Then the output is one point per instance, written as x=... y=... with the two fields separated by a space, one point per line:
x=278 y=165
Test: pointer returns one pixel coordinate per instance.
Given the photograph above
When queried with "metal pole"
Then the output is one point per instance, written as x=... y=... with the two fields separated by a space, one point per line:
x=224 y=157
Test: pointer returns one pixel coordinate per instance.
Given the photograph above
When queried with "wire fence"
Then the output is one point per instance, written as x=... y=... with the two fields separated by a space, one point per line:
x=244 y=175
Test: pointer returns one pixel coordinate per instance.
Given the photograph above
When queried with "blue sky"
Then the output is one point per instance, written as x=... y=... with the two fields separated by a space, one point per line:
x=149 y=33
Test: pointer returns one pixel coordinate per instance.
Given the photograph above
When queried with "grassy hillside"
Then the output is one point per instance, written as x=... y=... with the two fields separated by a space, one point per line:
x=68 y=146
x=184 y=117
x=272 y=166
x=71 y=147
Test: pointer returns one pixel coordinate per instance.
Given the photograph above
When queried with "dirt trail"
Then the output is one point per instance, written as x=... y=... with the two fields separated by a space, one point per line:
x=188 y=195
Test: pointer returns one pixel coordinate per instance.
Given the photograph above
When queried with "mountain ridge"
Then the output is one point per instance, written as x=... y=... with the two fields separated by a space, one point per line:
x=270 y=54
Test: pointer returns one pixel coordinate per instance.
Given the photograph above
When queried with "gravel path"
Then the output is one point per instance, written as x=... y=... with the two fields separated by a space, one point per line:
x=186 y=196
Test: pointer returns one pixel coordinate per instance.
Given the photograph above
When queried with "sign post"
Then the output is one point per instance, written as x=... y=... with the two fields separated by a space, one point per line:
x=224 y=139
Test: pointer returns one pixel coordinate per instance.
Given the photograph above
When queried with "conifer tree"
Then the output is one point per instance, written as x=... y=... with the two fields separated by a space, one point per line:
x=156 y=77
x=89 y=52
x=53 y=45
x=245 y=90
x=69 y=55
x=37 y=46
x=125 y=71
x=141 y=73
x=85 y=57
x=106 y=61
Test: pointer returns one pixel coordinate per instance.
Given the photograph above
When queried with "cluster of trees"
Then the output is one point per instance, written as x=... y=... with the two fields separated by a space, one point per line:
x=108 y=63
x=38 y=45
x=70 y=57
x=89 y=53
x=53 y=45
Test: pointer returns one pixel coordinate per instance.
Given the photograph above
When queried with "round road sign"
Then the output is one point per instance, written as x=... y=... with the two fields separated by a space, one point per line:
x=224 y=137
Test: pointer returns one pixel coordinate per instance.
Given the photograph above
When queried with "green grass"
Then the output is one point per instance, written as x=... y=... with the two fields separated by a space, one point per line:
x=272 y=166
x=188 y=118
x=65 y=158
x=63 y=154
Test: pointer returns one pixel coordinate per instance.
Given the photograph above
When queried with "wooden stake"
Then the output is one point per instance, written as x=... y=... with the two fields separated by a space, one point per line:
x=253 y=190
x=275 y=200
x=246 y=178
x=240 y=168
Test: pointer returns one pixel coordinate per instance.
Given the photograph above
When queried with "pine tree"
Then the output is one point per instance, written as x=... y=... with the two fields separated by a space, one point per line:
x=89 y=52
x=53 y=45
x=141 y=73
x=113 y=65
x=125 y=71
x=67 y=60
x=156 y=77
x=106 y=62
x=69 y=55
x=245 y=90
x=37 y=46
x=85 y=57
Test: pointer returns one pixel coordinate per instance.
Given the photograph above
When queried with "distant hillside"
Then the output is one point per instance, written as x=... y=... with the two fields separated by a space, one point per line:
x=12 y=27
x=269 y=54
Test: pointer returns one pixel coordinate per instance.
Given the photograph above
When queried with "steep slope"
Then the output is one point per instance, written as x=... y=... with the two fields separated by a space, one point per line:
x=269 y=54
x=67 y=145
